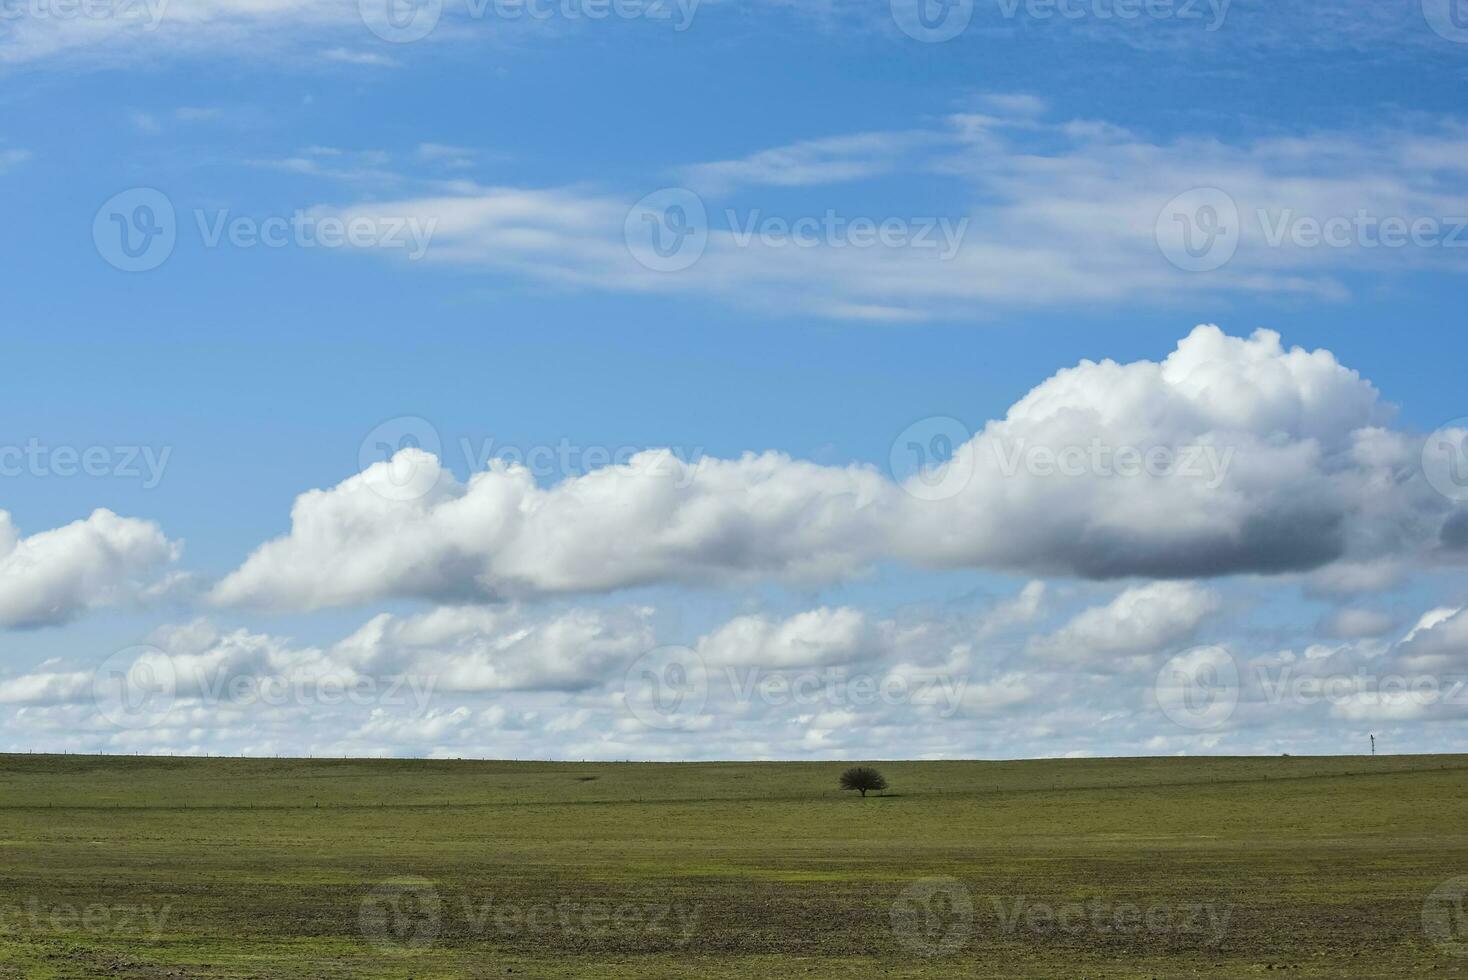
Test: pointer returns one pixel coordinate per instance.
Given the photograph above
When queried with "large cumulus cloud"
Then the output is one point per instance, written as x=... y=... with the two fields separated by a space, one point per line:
x=54 y=576
x=653 y=519
x=1231 y=455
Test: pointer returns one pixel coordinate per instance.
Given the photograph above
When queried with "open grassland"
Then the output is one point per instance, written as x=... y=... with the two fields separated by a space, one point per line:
x=143 y=868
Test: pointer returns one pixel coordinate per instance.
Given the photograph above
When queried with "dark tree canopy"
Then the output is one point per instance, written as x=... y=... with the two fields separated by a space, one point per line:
x=862 y=778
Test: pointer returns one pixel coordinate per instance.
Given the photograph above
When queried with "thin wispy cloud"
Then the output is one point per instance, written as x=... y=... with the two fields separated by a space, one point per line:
x=1039 y=213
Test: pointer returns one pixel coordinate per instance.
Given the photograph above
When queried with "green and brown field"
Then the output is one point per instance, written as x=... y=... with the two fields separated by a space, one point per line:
x=145 y=867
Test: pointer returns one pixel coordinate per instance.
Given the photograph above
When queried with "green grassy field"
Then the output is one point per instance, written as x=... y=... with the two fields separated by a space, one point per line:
x=134 y=867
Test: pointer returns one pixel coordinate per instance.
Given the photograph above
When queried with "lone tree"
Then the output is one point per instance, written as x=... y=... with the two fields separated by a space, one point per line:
x=862 y=778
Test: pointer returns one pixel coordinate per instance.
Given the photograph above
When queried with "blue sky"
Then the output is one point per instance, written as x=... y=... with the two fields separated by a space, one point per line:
x=1050 y=148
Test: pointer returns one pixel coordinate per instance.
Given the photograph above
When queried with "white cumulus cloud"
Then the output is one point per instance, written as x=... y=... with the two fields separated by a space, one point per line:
x=1140 y=622
x=53 y=577
x=1231 y=455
